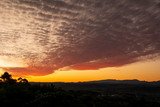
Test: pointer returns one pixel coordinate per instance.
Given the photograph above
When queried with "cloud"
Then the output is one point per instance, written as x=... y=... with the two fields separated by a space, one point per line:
x=81 y=34
x=28 y=71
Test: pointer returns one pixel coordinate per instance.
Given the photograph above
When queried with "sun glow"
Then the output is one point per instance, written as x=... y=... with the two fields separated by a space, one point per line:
x=6 y=62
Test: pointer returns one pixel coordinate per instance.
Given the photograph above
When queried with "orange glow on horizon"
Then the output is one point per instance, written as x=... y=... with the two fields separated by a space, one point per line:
x=148 y=71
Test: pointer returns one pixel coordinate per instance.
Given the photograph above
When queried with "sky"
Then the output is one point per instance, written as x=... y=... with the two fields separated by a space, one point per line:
x=80 y=40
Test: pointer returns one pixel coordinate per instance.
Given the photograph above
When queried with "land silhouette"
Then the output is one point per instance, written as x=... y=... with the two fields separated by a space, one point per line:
x=105 y=93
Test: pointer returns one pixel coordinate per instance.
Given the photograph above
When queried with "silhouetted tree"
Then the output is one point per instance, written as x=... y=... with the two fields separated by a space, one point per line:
x=7 y=78
x=21 y=80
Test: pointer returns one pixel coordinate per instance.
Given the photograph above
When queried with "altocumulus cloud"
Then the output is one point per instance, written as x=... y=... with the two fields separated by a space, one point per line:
x=48 y=35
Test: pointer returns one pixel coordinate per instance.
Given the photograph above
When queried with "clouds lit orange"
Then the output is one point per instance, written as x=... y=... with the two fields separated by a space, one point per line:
x=66 y=41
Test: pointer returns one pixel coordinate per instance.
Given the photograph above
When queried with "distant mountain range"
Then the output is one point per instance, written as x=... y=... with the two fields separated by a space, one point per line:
x=134 y=81
x=108 y=85
x=108 y=81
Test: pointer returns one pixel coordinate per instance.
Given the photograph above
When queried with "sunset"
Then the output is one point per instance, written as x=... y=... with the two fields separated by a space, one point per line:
x=79 y=41
x=140 y=71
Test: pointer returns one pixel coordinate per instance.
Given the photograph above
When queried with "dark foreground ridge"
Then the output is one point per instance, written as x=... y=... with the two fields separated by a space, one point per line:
x=105 y=93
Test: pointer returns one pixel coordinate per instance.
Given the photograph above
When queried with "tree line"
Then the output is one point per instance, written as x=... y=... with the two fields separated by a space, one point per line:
x=7 y=78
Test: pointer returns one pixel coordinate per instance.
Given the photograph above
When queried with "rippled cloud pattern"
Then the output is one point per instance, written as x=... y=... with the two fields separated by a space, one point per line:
x=41 y=36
